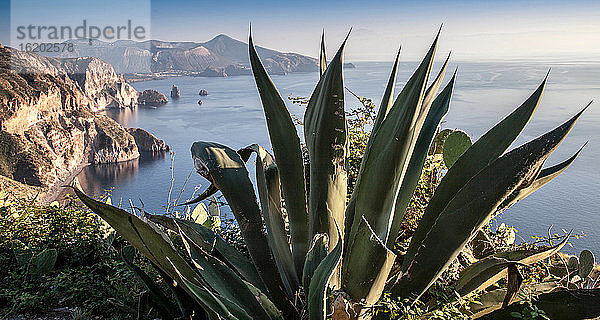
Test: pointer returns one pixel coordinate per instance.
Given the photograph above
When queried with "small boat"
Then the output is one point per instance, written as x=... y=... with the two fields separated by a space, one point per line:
x=199 y=102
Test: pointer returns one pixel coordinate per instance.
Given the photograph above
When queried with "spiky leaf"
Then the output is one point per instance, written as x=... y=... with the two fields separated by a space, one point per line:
x=286 y=148
x=267 y=178
x=226 y=170
x=487 y=149
x=318 y=284
x=473 y=206
x=325 y=133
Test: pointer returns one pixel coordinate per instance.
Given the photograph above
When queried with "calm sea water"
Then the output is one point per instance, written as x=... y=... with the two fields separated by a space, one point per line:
x=484 y=93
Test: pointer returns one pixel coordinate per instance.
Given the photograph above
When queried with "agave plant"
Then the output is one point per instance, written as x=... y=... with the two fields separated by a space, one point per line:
x=303 y=235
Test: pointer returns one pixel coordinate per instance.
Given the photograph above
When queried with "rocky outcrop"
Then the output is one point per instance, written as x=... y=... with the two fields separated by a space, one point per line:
x=152 y=98
x=146 y=141
x=212 y=72
x=49 y=126
x=99 y=85
x=175 y=94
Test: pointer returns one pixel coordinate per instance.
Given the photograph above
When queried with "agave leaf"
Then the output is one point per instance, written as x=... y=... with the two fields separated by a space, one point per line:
x=322 y=56
x=222 y=306
x=487 y=149
x=325 y=133
x=315 y=255
x=318 y=284
x=164 y=305
x=367 y=266
x=267 y=178
x=286 y=148
x=223 y=280
x=437 y=112
x=226 y=170
x=386 y=102
x=558 y=305
x=432 y=91
x=200 y=214
x=545 y=176
x=384 y=166
x=214 y=244
x=264 y=301
x=473 y=206
x=488 y=271
x=145 y=237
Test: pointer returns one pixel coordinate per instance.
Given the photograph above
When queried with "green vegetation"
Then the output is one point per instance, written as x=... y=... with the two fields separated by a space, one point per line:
x=323 y=254
x=60 y=258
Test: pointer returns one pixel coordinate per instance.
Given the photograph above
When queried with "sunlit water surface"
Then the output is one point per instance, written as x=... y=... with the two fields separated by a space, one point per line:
x=484 y=93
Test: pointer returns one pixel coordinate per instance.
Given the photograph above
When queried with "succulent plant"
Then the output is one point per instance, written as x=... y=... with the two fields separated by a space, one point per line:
x=332 y=242
x=455 y=144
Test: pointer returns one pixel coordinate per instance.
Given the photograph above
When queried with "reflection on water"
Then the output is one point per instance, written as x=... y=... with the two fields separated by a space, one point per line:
x=99 y=178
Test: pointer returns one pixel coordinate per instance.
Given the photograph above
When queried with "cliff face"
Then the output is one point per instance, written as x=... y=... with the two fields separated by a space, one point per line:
x=48 y=127
x=99 y=85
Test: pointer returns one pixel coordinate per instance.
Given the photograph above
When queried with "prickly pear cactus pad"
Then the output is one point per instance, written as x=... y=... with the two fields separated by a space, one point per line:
x=455 y=145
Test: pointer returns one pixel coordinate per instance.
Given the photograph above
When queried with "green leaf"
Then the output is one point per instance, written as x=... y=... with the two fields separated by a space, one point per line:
x=43 y=262
x=366 y=267
x=437 y=112
x=322 y=55
x=326 y=138
x=483 y=152
x=164 y=304
x=473 y=206
x=213 y=244
x=264 y=301
x=315 y=255
x=318 y=283
x=454 y=146
x=558 y=305
x=145 y=237
x=223 y=280
x=488 y=271
x=222 y=306
x=200 y=214
x=267 y=178
x=384 y=165
x=545 y=176
x=386 y=101
x=226 y=170
x=22 y=252
x=288 y=155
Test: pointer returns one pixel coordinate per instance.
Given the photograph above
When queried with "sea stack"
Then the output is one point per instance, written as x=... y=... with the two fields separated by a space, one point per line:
x=203 y=92
x=175 y=92
x=152 y=98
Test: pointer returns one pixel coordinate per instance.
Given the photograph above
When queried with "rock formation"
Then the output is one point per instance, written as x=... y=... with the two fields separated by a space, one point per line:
x=49 y=124
x=175 y=94
x=146 y=141
x=99 y=86
x=152 y=98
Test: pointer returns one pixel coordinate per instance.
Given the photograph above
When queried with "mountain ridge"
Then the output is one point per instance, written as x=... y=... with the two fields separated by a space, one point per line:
x=220 y=56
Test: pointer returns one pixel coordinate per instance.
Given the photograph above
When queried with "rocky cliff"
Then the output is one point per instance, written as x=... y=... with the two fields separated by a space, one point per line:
x=49 y=126
x=146 y=141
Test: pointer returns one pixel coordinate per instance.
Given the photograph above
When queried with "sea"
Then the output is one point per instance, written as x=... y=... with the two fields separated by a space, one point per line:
x=485 y=92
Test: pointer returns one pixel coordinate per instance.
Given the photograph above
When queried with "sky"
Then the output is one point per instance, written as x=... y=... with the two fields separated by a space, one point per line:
x=472 y=30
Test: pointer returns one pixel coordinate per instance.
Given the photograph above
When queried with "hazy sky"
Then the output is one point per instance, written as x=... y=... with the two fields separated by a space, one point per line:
x=473 y=30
